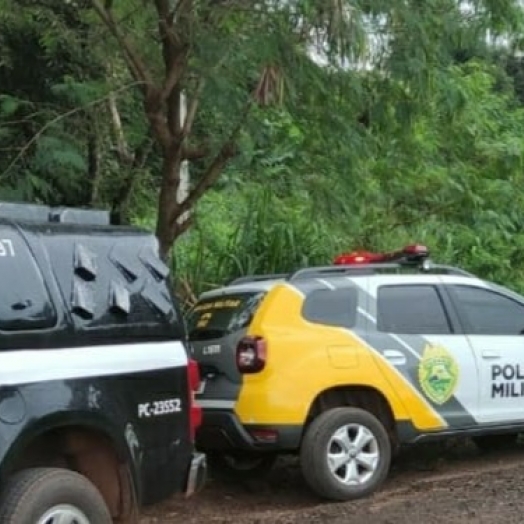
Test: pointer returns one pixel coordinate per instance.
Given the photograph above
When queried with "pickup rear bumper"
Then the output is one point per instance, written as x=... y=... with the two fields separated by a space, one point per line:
x=197 y=474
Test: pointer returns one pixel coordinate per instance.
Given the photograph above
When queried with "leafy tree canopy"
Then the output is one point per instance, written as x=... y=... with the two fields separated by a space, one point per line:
x=310 y=125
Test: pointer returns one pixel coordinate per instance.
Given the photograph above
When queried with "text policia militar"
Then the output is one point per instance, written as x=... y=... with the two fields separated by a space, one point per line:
x=508 y=380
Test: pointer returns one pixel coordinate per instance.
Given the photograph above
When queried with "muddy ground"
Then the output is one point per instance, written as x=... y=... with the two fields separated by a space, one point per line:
x=450 y=482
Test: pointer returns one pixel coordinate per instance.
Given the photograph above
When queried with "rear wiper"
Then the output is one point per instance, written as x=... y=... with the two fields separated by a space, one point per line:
x=206 y=334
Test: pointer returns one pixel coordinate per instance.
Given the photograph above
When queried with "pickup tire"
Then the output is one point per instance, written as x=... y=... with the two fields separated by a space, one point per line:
x=44 y=495
x=345 y=454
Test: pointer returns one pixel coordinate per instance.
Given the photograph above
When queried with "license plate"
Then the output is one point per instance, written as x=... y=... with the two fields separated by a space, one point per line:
x=201 y=387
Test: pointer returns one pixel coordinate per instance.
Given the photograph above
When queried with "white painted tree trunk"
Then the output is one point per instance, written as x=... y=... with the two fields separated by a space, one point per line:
x=183 y=187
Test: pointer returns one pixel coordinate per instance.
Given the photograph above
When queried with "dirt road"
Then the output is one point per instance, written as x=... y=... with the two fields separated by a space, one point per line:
x=436 y=483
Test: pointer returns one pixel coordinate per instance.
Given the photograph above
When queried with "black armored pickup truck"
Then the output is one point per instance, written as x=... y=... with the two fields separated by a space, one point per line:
x=97 y=410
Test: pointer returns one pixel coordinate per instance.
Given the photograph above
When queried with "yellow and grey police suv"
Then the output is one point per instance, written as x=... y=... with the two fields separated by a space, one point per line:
x=343 y=364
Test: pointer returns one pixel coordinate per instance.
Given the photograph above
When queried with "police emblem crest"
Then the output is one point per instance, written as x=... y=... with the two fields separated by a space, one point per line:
x=438 y=374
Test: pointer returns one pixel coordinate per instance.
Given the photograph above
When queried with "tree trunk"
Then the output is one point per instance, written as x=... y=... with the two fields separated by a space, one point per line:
x=167 y=202
x=93 y=168
x=183 y=186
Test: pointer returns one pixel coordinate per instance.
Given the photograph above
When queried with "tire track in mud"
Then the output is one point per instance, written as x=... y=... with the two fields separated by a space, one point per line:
x=456 y=484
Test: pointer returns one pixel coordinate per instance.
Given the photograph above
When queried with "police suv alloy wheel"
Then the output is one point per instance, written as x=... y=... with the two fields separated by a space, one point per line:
x=345 y=454
x=52 y=496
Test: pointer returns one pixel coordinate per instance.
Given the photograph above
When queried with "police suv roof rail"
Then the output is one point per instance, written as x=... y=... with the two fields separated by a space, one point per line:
x=46 y=214
x=361 y=269
x=257 y=278
x=370 y=269
x=448 y=270
x=353 y=270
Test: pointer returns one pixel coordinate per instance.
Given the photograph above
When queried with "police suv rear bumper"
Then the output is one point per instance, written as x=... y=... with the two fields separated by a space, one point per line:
x=221 y=430
x=197 y=474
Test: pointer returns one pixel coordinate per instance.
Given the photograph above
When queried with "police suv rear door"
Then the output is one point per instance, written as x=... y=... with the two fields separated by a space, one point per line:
x=493 y=321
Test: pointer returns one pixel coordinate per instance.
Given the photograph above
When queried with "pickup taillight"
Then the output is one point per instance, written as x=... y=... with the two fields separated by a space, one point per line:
x=251 y=355
x=195 y=411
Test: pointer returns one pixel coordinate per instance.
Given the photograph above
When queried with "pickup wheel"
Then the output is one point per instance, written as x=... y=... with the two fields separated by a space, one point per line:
x=345 y=454
x=52 y=496
x=240 y=466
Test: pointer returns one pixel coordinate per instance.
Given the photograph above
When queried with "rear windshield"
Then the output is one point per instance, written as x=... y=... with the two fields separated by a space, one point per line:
x=220 y=316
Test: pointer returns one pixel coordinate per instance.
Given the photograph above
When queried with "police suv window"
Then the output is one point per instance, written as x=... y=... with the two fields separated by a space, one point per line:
x=25 y=303
x=334 y=307
x=411 y=310
x=222 y=315
x=486 y=312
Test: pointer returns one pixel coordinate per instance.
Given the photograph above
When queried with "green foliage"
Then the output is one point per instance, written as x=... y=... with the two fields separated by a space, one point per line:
x=250 y=231
x=422 y=145
x=452 y=182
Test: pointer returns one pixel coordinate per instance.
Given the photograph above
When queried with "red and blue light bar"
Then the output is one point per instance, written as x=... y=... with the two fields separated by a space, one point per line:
x=413 y=253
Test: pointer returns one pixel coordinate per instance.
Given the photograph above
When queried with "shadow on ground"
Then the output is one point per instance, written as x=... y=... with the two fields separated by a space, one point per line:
x=417 y=469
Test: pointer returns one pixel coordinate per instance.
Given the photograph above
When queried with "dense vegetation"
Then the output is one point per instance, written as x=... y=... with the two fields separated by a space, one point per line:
x=312 y=126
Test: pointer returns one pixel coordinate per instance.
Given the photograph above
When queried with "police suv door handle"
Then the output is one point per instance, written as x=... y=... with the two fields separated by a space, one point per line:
x=20 y=306
x=491 y=355
x=395 y=357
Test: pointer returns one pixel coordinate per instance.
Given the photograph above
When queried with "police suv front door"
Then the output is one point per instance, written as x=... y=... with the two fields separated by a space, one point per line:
x=416 y=333
x=494 y=324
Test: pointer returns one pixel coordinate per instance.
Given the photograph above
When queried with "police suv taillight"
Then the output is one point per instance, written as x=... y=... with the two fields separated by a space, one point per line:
x=251 y=355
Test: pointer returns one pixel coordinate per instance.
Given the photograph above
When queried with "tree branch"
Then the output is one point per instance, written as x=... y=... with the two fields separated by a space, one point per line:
x=162 y=8
x=195 y=101
x=174 y=71
x=142 y=152
x=192 y=109
x=121 y=199
x=157 y=120
x=190 y=297
x=173 y=52
x=93 y=165
x=122 y=148
x=134 y=62
x=179 y=7
x=165 y=22
x=194 y=153
x=181 y=228
x=214 y=170
x=59 y=118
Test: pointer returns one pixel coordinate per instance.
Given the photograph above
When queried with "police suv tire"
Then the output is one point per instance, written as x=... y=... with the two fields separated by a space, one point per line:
x=31 y=493
x=314 y=454
x=250 y=465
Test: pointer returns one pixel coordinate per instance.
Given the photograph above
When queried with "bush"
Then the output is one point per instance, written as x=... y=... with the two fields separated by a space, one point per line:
x=250 y=231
